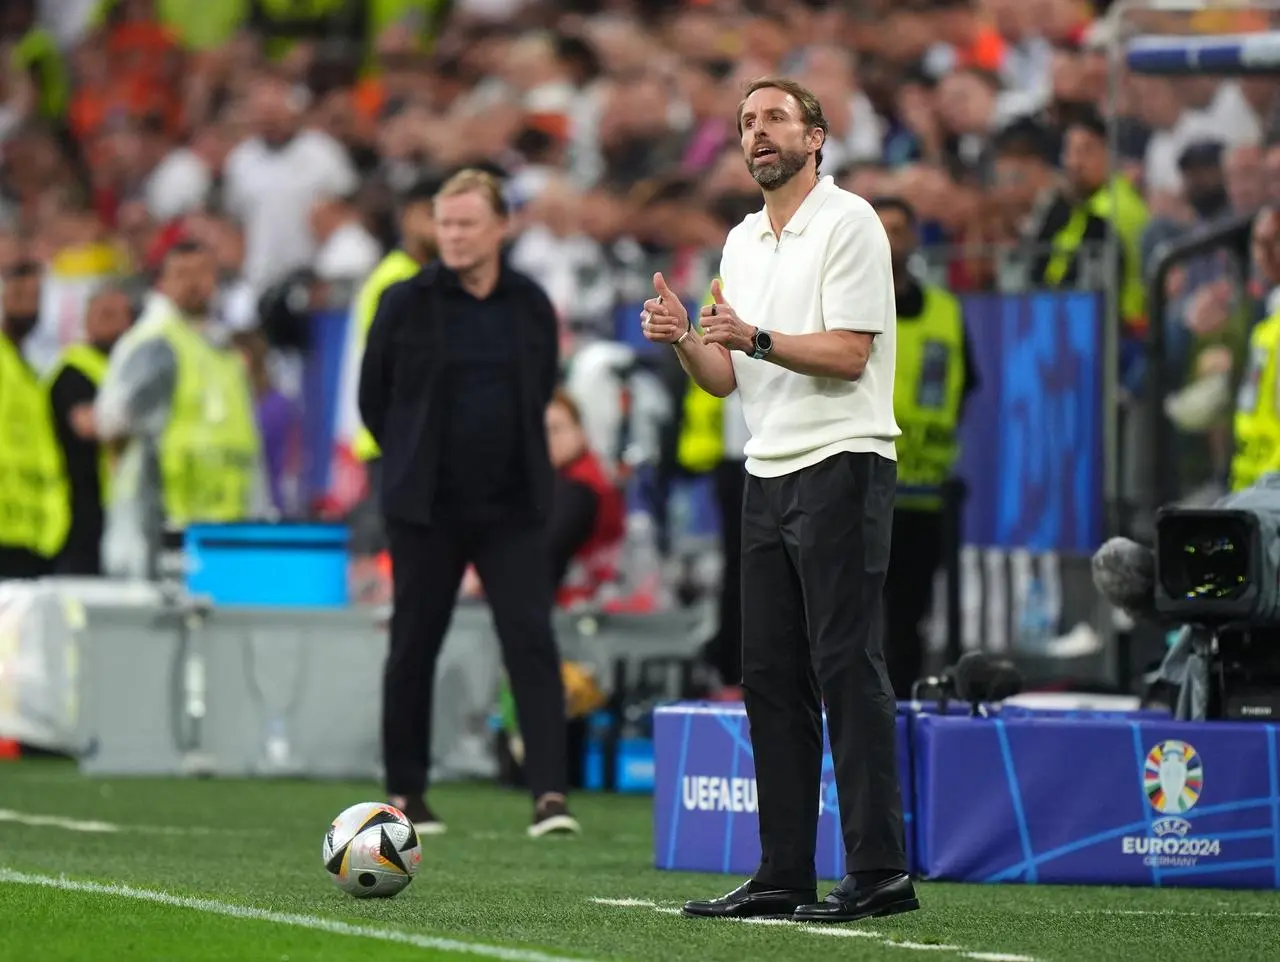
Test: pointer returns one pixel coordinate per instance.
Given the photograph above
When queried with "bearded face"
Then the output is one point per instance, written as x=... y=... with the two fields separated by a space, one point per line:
x=771 y=166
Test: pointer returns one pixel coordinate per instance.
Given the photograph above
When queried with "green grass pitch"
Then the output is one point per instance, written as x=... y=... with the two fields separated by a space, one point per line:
x=134 y=870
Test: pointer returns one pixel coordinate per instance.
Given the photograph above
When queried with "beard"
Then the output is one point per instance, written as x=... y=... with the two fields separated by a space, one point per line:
x=787 y=163
x=20 y=325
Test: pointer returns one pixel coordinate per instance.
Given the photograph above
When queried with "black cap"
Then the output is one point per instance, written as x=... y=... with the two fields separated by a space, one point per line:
x=422 y=190
x=1085 y=115
x=1201 y=154
x=1024 y=137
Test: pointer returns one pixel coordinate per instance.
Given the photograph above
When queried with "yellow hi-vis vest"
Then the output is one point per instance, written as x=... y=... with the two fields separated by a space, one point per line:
x=35 y=503
x=928 y=386
x=1257 y=423
x=92 y=363
x=210 y=448
x=395 y=267
x=328 y=13
x=1127 y=214
x=700 y=446
x=37 y=51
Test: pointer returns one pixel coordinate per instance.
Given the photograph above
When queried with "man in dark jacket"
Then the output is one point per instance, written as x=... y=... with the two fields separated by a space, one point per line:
x=460 y=364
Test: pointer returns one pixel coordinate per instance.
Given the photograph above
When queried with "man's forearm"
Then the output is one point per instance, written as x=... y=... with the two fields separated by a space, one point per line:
x=836 y=354
x=708 y=364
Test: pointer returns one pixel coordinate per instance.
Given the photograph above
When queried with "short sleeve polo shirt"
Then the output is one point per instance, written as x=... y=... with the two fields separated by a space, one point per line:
x=829 y=270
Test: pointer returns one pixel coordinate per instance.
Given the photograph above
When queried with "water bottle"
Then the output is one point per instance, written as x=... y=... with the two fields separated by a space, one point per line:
x=1035 y=628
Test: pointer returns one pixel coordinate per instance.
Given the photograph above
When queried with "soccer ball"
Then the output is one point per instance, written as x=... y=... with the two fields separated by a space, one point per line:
x=371 y=851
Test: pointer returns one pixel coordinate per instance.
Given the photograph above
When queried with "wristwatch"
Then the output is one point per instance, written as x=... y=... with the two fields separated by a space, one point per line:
x=761 y=344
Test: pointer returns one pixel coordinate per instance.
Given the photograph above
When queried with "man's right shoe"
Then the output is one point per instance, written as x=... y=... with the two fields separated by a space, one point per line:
x=848 y=902
x=752 y=901
x=419 y=813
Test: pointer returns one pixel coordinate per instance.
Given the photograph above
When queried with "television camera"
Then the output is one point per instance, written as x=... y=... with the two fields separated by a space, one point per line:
x=1215 y=570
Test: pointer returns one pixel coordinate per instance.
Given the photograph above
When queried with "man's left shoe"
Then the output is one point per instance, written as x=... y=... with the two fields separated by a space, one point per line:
x=848 y=903
x=551 y=817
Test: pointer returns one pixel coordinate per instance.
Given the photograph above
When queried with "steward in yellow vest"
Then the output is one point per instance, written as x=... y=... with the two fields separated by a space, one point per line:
x=37 y=56
x=1257 y=421
x=185 y=407
x=34 y=509
x=929 y=386
x=73 y=384
x=700 y=447
x=933 y=375
x=210 y=448
x=207 y=24
x=1092 y=208
x=417 y=246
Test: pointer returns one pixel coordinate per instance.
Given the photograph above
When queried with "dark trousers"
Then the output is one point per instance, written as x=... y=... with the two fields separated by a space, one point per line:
x=724 y=651
x=908 y=594
x=815 y=548
x=513 y=563
x=19 y=563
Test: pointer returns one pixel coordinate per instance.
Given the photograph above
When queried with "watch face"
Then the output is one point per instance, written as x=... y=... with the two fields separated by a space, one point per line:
x=763 y=341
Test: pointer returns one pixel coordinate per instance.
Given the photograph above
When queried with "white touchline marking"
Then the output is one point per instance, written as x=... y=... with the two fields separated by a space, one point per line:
x=313 y=922
x=922 y=946
x=56 y=821
x=1188 y=913
x=81 y=825
x=839 y=931
x=845 y=933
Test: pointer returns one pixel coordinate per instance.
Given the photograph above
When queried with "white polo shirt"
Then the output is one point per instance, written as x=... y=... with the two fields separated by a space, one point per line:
x=829 y=271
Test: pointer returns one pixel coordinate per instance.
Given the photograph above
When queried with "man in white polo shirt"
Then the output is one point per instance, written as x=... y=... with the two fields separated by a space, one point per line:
x=802 y=324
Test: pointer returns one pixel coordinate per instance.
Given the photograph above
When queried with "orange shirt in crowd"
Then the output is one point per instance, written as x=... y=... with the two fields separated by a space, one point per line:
x=987 y=51
x=141 y=57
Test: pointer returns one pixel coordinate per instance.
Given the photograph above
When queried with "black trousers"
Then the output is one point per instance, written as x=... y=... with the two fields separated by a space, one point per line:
x=908 y=594
x=815 y=549
x=19 y=563
x=724 y=651
x=513 y=563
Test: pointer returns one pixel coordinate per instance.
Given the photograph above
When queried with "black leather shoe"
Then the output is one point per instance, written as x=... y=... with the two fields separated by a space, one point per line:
x=752 y=901
x=848 y=903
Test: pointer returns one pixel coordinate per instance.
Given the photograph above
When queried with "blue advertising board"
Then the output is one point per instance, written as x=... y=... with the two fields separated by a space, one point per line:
x=321 y=392
x=704 y=803
x=1031 y=443
x=1097 y=801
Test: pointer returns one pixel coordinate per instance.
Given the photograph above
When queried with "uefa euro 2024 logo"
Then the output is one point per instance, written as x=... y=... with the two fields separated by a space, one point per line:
x=1172 y=780
x=1173 y=777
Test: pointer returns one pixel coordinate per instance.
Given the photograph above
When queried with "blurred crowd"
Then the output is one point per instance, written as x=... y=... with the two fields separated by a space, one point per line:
x=282 y=137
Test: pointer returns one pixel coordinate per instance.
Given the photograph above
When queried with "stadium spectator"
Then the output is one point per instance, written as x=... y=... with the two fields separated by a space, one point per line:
x=279 y=423
x=272 y=180
x=587 y=514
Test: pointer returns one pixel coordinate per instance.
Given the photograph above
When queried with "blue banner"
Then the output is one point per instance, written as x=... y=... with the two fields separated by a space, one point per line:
x=1032 y=438
x=704 y=802
x=321 y=379
x=1097 y=801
